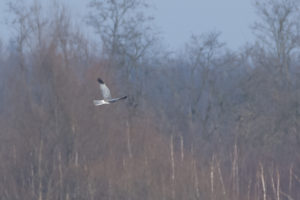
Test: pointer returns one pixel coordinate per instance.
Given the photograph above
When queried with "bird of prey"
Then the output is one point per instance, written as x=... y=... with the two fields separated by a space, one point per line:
x=106 y=95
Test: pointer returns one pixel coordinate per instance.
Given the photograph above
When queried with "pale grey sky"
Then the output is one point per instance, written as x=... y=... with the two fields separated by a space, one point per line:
x=178 y=19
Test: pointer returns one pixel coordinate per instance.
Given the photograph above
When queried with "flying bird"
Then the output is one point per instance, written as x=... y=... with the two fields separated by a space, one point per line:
x=106 y=95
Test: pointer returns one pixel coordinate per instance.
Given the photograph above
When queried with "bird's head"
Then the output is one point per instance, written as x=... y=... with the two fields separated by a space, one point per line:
x=100 y=81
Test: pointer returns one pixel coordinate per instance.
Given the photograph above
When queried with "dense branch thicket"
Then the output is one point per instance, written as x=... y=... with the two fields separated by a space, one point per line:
x=208 y=124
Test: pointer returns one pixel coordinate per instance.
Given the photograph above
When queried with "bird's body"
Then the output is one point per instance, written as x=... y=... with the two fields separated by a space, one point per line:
x=100 y=102
x=106 y=95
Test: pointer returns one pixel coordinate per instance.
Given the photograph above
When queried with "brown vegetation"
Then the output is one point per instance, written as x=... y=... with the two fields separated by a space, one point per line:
x=210 y=124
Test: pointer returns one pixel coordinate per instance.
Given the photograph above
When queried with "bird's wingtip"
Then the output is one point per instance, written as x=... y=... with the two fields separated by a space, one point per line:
x=100 y=81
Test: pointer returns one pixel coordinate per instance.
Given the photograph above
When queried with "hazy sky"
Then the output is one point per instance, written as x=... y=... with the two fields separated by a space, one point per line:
x=178 y=19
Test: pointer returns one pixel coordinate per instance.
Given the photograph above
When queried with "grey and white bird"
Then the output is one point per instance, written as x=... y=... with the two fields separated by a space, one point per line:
x=106 y=95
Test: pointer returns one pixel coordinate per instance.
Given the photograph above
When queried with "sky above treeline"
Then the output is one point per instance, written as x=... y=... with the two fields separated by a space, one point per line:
x=177 y=20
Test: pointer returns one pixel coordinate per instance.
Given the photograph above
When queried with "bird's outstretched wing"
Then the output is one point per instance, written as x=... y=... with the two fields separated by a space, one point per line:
x=104 y=89
x=116 y=99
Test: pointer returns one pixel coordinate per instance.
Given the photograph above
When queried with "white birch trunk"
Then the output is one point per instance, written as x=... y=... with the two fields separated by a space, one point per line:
x=278 y=184
x=263 y=183
x=221 y=179
x=196 y=180
x=181 y=147
x=212 y=177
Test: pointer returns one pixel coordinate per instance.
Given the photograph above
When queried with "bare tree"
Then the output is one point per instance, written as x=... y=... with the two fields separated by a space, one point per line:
x=123 y=27
x=21 y=15
x=54 y=144
x=203 y=51
x=38 y=25
x=279 y=29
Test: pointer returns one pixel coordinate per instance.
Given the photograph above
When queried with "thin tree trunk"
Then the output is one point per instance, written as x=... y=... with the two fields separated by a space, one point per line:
x=128 y=139
x=212 y=177
x=196 y=185
x=291 y=179
x=278 y=184
x=67 y=196
x=60 y=174
x=276 y=188
x=40 y=169
x=172 y=167
x=263 y=181
x=273 y=183
x=32 y=181
x=296 y=178
x=147 y=171
x=249 y=190
x=49 y=189
x=14 y=154
x=286 y=195
x=76 y=159
x=221 y=179
x=109 y=189
x=257 y=187
x=235 y=172
x=91 y=190
x=163 y=188
x=181 y=147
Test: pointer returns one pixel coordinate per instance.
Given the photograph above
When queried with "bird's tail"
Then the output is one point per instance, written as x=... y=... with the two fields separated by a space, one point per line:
x=116 y=99
x=98 y=102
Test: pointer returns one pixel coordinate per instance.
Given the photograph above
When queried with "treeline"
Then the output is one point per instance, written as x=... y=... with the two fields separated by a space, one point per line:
x=203 y=123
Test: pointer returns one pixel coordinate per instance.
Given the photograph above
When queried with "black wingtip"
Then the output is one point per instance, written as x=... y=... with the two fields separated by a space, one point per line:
x=124 y=97
x=100 y=81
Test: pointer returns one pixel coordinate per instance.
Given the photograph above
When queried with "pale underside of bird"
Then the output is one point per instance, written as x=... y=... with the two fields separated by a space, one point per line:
x=106 y=95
